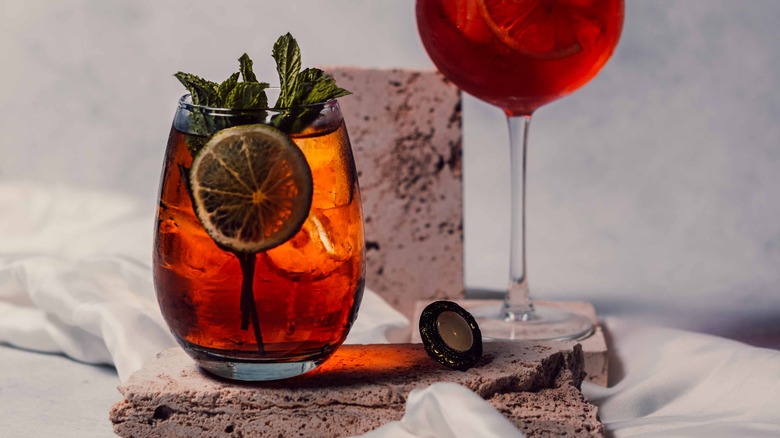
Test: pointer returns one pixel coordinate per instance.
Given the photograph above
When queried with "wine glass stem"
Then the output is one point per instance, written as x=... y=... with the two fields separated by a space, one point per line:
x=517 y=302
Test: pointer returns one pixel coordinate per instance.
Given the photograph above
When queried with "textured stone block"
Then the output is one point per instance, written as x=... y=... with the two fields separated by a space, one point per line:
x=594 y=347
x=360 y=388
x=405 y=129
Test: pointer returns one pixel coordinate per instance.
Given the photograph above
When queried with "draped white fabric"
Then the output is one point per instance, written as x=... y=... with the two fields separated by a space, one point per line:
x=75 y=279
x=447 y=410
x=98 y=309
x=676 y=383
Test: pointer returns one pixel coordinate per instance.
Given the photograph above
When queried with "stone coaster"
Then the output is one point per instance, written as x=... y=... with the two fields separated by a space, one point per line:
x=594 y=347
x=405 y=130
x=359 y=389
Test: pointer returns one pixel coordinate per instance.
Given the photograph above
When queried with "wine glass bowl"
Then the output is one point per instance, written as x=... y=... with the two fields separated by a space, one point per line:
x=519 y=55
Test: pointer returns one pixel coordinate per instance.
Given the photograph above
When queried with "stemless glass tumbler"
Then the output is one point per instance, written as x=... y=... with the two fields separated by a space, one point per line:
x=259 y=254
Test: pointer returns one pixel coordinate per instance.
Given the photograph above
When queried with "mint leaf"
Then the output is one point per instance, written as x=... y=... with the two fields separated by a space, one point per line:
x=246 y=95
x=203 y=92
x=288 y=64
x=308 y=87
x=225 y=88
x=315 y=86
x=245 y=67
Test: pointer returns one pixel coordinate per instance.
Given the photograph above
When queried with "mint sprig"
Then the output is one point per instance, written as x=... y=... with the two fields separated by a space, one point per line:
x=307 y=87
x=242 y=90
x=299 y=88
x=248 y=94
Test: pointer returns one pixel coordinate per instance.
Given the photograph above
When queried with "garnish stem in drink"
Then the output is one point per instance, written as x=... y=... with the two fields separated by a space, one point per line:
x=248 y=305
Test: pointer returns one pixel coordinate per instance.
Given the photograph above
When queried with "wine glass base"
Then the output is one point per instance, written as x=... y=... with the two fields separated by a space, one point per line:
x=543 y=324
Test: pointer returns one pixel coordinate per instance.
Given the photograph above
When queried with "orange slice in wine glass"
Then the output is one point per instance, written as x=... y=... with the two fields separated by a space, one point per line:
x=544 y=29
x=465 y=15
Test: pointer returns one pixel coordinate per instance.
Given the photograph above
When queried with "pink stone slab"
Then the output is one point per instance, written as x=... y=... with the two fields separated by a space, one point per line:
x=359 y=389
x=405 y=129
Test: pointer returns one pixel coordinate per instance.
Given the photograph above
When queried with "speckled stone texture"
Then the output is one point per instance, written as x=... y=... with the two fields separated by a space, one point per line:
x=361 y=388
x=405 y=129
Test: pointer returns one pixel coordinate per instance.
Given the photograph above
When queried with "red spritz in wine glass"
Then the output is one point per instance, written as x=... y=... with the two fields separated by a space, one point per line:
x=519 y=55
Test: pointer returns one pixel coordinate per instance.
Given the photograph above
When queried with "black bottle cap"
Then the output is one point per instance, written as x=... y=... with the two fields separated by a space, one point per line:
x=450 y=335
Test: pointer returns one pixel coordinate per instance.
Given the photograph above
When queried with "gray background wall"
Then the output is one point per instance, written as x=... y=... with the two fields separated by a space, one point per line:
x=653 y=191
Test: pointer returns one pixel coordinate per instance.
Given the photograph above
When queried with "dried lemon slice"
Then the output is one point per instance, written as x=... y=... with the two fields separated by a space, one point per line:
x=251 y=188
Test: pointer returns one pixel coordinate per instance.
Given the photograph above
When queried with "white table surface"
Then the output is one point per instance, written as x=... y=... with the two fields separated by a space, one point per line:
x=50 y=395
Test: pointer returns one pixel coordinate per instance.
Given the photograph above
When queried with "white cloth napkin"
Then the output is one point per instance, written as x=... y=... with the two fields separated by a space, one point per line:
x=447 y=410
x=674 y=383
x=97 y=309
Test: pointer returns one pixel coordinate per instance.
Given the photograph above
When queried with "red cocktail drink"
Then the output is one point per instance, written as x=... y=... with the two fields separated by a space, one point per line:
x=520 y=55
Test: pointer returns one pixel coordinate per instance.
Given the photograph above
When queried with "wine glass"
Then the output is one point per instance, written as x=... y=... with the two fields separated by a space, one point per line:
x=519 y=55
